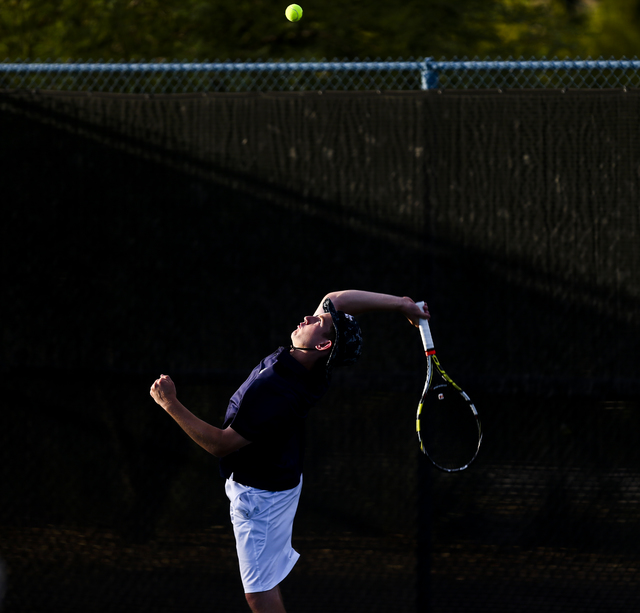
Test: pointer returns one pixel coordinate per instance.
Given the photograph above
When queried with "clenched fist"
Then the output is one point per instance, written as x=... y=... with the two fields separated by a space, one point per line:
x=163 y=391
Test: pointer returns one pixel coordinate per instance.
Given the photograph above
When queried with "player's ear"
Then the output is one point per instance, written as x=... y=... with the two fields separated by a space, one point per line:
x=324 y=345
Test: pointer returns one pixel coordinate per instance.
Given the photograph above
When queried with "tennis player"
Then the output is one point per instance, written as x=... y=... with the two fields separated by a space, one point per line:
x=261 y=443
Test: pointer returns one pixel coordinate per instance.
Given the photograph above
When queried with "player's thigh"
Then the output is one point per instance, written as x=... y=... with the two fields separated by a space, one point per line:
x=266 y=602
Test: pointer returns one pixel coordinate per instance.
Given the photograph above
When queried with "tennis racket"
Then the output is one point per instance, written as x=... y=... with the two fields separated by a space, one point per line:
x=447 y=422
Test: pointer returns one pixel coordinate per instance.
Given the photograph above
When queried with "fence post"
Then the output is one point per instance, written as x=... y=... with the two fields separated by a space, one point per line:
x=429 y=78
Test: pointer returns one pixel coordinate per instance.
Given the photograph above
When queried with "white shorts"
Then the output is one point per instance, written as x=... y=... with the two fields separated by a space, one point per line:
x=263 y=524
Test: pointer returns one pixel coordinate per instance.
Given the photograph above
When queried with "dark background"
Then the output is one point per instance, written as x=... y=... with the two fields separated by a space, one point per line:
x=189 y=234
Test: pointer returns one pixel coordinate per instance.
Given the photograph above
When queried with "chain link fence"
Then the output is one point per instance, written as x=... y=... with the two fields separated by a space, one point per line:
x=515 y=215
x=277 y=75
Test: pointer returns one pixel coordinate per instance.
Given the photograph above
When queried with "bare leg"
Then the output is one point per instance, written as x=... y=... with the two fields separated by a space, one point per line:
x=266 y=602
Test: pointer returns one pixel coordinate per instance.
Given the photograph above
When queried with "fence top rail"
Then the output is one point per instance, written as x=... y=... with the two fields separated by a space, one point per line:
x=211 y=66
x=279 y=75
x=311 y=65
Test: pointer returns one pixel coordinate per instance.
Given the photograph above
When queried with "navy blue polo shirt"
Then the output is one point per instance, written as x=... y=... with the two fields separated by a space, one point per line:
x=269 y=409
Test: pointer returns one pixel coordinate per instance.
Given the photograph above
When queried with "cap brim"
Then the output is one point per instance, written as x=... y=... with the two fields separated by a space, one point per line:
x=329 y=307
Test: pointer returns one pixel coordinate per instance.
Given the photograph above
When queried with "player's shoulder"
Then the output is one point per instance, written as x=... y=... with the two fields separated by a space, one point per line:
x=271 y=379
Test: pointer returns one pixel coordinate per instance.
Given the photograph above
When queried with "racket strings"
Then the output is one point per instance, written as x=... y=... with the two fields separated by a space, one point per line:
x=448 y=426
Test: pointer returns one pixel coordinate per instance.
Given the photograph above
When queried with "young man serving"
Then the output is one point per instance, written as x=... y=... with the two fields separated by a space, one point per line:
x=261 y=443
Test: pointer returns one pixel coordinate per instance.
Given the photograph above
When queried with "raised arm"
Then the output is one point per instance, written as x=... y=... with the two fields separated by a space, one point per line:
x=214 y=440
x=356 y=302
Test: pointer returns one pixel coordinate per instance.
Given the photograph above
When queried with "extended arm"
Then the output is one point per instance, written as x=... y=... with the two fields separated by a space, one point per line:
x=214 y=440
x=356 y=302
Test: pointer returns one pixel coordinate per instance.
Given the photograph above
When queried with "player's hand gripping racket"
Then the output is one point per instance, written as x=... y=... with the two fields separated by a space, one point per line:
x=447 y=423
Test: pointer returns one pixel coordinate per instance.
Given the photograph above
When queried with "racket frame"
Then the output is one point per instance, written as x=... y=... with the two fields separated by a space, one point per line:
x=434 y=363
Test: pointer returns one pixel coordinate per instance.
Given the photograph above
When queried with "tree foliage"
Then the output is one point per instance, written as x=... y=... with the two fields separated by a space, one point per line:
x=252 y=29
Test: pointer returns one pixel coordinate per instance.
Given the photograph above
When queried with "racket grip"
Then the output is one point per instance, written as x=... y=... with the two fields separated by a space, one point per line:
x=425 y=333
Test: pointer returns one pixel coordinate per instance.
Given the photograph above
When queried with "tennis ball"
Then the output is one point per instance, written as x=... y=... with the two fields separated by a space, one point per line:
x=294 y=12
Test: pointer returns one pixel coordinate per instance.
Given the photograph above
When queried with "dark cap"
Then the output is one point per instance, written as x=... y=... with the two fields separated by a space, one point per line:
x=348 y=344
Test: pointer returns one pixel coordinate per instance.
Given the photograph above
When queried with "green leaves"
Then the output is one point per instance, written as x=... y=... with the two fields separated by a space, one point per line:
x=252 y=29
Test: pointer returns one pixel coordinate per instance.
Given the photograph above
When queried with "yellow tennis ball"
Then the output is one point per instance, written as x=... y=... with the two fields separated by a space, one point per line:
x=293 y=12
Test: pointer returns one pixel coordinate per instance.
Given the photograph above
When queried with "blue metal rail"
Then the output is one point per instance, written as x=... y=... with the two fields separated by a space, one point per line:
x=426 y=74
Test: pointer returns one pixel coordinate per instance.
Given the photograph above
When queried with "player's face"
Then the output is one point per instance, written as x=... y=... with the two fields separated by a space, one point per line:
x=314 y=330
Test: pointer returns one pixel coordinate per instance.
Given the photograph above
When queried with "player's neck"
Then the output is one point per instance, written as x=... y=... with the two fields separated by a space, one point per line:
x=306 y=358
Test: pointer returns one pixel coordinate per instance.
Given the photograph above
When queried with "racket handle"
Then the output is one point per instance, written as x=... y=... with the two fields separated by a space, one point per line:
x=425 y=333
